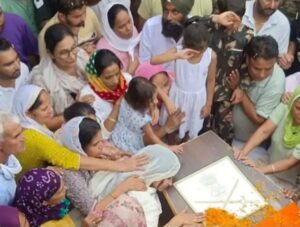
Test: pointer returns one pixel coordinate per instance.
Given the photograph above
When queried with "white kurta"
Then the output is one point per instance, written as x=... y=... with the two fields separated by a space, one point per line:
x=188 y=92
x=276 y=26
x=7 y=94
x=154 y=43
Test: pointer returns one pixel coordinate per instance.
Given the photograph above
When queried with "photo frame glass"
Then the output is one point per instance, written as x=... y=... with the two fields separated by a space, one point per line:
x=220 y=185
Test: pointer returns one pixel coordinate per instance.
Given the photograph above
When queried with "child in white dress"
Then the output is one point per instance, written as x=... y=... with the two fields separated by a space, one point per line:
x=193 y=88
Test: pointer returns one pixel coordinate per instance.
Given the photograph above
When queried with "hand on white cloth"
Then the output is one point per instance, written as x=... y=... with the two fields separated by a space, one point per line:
x=133 y=183
x=136 y=162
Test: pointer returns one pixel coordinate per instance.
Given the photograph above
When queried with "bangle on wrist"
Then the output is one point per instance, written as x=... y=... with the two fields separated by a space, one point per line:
x=273 y=168
x=112 y=119
x=112 y=195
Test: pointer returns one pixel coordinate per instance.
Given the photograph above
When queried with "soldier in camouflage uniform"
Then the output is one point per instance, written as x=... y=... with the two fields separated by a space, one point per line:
x=229 y=47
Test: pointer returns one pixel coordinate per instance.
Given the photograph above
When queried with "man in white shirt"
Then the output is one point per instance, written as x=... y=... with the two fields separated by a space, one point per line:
x=163 y=33
x=13 y=74
x=11 y=144
x=264 y=18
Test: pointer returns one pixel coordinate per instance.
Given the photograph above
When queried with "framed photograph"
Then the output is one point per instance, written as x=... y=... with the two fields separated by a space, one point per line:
x=220 y=185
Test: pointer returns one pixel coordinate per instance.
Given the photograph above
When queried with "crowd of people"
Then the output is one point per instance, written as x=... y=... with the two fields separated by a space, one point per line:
x=97 y=98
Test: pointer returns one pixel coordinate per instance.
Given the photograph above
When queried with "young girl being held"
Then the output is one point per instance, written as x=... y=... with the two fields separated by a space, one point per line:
x=193 y=88
x=162 y=79
x=134 y=121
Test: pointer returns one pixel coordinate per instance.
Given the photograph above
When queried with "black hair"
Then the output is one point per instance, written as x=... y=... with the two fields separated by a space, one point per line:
x=264 y=47
x=78 y=109
x=67 y=6
x=113 y=12
x=5 y=44
x=54 y=34
x=88 y=128
x=105 y=58
x=139 y=94
x=195 y=34
x=236 y=6
x=37 y=103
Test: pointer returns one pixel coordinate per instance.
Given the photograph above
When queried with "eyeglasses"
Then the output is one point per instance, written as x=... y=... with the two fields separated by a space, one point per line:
x=67 y=53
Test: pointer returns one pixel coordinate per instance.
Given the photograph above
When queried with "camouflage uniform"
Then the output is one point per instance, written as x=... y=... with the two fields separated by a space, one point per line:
x=215 y=6
x=230 y=55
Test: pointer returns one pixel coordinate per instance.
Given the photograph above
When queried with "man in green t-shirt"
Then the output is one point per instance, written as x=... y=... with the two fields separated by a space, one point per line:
x=254 y=106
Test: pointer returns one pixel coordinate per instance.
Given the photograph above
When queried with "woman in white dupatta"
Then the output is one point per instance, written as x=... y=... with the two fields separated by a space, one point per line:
x=58 y=72
x=119 y=33
x=163 y=164
x=32 y=107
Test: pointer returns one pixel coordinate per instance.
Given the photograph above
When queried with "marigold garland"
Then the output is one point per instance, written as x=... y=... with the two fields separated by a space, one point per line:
x=215 y=217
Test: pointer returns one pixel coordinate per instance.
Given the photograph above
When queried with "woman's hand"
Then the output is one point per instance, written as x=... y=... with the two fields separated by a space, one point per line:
x=133 y=183
x=184 y=218
x=238 y=154
x=291 y=195
x=285 y=98
x=113 y=153
x=174 y=120
x=205 y=112
x=89 y=99
x=58 y=170
x=177 y=149
x=116 y=106
x=92 y=219
x=133 y=163
x=248 y=162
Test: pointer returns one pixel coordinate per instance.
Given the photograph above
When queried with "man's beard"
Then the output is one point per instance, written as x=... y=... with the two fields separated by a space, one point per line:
x=264 y=12
x=172 y=29
x=79 y=25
